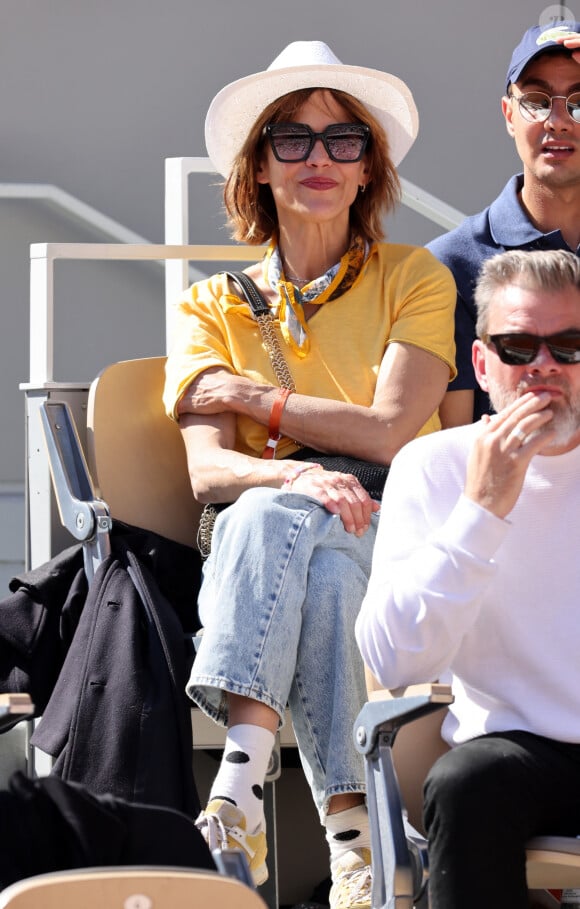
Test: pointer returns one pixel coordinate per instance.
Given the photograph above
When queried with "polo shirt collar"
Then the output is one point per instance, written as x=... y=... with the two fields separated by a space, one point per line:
x=508 y=223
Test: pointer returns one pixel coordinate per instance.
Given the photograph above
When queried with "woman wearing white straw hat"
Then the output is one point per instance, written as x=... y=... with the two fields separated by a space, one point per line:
x=364 y=330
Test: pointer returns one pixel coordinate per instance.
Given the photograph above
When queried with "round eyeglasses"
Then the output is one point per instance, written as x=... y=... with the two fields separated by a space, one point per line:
x=537 y=106
x=345 y=143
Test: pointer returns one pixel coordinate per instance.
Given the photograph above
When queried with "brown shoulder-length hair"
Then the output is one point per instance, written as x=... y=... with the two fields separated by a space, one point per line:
x=250 y=205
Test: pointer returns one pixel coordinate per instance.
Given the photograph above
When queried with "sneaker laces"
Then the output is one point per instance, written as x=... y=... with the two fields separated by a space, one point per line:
x=213 y=831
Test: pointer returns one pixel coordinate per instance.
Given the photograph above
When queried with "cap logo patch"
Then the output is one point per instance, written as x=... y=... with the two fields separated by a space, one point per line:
x=551 y=34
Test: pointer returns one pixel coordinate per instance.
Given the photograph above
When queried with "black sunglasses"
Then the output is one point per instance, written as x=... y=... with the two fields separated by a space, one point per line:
x=517 y=349
x=345 y=143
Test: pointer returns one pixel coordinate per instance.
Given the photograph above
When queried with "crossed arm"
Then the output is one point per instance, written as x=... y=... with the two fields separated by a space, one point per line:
x=410 y=385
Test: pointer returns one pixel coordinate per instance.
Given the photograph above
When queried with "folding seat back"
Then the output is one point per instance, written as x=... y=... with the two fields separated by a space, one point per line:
x=399 y=733
x=135 y=453
x=130 y=888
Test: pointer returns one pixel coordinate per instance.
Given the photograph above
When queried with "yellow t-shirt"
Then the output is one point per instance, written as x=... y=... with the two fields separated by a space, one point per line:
x=401 y=294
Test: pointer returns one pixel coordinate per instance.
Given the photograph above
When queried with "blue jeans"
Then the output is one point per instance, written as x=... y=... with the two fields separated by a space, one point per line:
x=281 y=591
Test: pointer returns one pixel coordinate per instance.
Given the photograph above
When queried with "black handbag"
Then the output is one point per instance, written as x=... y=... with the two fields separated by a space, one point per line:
x=371 y=476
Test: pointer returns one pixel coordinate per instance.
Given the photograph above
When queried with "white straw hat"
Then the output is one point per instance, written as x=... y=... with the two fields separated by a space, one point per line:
x=307 y=64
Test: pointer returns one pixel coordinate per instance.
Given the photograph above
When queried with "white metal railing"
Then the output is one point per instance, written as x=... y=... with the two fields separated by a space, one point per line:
x=80 y=211
x=43 y=534
x=432 y=208
x=42 y=260
x=176 y=253
x=177 y=173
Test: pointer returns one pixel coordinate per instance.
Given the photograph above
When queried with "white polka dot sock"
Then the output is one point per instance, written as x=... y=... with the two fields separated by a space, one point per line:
x=240 y=778
x=347 y=830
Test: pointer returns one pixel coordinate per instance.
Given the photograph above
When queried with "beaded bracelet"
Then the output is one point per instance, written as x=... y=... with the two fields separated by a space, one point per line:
x=297 y=471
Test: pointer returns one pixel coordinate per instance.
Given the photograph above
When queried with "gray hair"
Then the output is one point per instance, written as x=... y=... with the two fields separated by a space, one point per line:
x=537 y=270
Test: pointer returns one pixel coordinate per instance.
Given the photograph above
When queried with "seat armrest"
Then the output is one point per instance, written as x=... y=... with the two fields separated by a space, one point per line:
x=14 y=707
x=85 y=516
x=387 y=710
x=437 y=692
x=400 y=860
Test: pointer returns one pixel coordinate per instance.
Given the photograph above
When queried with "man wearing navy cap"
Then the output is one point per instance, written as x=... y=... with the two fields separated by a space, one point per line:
x=538 y=209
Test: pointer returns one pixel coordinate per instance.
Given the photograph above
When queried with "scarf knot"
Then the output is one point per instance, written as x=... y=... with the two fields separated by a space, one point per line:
x=333 y=283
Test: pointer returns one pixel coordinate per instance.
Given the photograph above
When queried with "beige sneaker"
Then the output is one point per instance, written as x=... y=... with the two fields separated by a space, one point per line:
x=223 y=826
x=352 y=881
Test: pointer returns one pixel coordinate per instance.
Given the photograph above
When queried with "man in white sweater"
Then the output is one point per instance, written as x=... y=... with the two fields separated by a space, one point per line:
x=476 y=580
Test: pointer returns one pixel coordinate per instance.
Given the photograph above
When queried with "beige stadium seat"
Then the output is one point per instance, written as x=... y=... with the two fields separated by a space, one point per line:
x=135 y=453
x=130 y=888
x=399 y=735
x=14 y=707
x=135 y=471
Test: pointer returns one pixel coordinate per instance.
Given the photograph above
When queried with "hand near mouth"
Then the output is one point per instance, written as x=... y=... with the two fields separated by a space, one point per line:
x=505 y=445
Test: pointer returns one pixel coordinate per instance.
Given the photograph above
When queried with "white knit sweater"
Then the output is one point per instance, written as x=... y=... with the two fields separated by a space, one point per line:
x=491 y=605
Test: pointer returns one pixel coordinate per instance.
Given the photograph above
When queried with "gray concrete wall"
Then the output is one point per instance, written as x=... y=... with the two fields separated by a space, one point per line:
x=96 y=96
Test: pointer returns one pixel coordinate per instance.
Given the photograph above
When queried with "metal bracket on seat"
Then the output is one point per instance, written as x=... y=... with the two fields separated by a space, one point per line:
x=400 y=859
x=85 y=516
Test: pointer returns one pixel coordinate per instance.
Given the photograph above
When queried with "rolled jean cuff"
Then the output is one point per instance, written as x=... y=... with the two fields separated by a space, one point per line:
x=210 y=695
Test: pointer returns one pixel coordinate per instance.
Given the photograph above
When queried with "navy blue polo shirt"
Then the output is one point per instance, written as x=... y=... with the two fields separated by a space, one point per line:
x=503 y=225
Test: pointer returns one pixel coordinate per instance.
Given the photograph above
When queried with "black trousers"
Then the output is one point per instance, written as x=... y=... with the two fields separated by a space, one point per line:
x=482 y=801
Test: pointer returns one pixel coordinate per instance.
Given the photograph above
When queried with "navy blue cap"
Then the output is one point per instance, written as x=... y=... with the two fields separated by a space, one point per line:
x=537 y=40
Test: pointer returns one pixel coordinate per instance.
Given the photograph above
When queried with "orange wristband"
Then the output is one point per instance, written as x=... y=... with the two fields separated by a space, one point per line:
x=274 y=423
